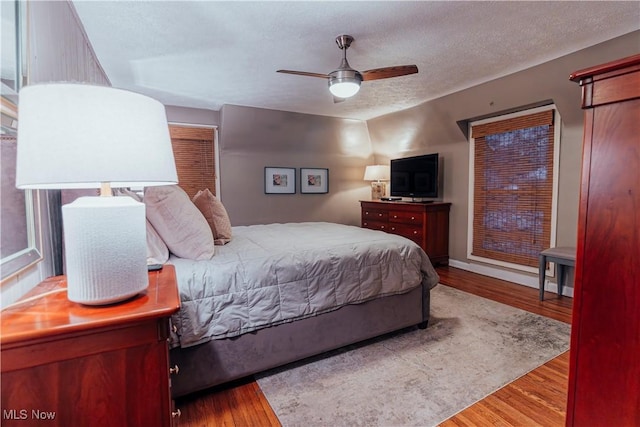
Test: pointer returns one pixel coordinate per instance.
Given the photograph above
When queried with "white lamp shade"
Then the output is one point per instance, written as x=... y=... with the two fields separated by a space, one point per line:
x=376 y=173
x=79 y=136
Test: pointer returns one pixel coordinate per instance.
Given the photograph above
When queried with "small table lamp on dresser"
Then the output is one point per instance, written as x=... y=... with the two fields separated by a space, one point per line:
x=377 y=174
x=83 y=136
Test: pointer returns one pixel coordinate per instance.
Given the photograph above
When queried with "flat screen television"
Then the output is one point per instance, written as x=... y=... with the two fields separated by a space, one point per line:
x=416 y=177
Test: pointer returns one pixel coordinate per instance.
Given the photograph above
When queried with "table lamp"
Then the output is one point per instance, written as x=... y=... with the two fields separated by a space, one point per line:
x=377 y=174
x=85 y=136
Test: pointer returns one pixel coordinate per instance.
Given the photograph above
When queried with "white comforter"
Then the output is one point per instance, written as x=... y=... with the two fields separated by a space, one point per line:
x=275 y=273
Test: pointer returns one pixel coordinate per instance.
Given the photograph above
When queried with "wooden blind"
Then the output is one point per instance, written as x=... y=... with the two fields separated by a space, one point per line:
x=513 y=188
x=193 y=149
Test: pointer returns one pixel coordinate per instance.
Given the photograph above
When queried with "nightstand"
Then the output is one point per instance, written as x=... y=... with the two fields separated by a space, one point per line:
x=66 y=364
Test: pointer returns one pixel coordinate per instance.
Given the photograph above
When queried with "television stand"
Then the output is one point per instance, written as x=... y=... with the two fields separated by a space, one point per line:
x=421 y=201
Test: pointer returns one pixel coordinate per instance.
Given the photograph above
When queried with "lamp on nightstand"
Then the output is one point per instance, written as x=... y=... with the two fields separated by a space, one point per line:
x=377 y=174
x=84 y=136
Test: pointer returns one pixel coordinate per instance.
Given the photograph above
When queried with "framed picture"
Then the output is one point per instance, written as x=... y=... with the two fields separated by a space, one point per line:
x=279 y=180
x=314 y=181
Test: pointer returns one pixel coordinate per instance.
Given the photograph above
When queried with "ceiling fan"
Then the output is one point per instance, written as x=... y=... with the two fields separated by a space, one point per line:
x=345 y=81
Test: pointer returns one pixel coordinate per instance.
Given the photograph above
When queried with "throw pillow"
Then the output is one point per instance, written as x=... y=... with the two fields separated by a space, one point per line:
x=157 y=251
x=178 y=222
x=215 y=214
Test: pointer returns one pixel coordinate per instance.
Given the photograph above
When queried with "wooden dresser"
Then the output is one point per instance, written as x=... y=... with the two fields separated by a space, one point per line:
x=65 y=364
x=604 y=373
x=427 y=224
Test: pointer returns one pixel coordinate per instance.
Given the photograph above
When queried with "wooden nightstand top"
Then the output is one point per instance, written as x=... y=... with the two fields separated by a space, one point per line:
x=54 y=314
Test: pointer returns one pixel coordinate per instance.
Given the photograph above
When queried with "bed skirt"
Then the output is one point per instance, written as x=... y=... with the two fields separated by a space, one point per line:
x=220 y=361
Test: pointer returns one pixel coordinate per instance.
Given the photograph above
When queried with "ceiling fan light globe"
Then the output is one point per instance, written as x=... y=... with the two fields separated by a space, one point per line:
x=345 y=82
x=344 y=89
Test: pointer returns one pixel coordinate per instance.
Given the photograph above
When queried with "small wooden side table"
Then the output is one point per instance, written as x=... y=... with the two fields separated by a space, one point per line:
x=561 y=256
x=66 y=364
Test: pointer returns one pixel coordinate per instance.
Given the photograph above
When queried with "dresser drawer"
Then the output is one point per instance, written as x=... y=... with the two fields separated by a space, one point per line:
x=409 y=231
x=375 y=225
x=374 y=215
x=403 y=217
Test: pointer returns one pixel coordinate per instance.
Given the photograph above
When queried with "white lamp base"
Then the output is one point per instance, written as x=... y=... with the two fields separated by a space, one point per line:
x=105 y=249
x=378 y=190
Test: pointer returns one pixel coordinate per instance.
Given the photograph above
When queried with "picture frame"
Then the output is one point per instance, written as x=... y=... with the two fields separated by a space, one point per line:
x=314 y=180
x=278 y=180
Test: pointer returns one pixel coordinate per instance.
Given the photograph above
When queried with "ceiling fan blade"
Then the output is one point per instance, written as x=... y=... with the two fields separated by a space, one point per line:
x=388 y=72
x=304 y=73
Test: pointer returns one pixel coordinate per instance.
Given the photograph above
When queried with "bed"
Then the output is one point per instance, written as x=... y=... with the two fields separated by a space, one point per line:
x=278 y=293
x=260 y=296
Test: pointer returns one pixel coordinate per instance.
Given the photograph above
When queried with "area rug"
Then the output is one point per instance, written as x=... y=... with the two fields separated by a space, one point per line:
x=472 y=347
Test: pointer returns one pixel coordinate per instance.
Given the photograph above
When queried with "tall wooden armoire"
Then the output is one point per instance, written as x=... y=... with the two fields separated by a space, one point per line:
x=604 y=374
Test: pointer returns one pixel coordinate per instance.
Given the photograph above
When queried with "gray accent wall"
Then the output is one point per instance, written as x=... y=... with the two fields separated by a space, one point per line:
x=432 y=127
x=192 y=116
x=253 y=138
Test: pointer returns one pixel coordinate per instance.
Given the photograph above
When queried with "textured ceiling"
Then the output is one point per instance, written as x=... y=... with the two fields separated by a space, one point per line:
x=204 y=54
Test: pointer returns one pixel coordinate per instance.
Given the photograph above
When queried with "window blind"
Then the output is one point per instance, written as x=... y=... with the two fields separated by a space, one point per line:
x=513 y=188
x=193 y=149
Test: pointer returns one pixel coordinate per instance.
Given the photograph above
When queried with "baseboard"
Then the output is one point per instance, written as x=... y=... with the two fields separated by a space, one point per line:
x=511 y=276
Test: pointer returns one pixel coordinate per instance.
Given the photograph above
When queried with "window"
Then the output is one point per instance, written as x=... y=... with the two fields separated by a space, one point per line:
x=20 y=245
x=194 y=152
x=513 y=184
x=19 y=235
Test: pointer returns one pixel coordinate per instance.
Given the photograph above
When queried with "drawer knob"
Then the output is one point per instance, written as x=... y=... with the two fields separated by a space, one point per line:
x=366 y=212
x=413 y=217
x=379 y=214
x=176 y=413
x=393 y=229
x=415 y=232
x=174 y=370
x=382 y=227
x=395 y=216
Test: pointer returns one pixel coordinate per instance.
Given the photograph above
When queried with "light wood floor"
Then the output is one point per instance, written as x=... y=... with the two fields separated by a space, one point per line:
x=536 y=399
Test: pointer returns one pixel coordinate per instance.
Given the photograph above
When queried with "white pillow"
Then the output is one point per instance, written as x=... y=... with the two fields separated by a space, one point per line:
x=178 y=222
x=215 y=214
x=157 y=251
